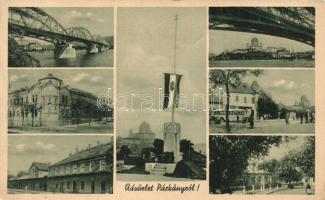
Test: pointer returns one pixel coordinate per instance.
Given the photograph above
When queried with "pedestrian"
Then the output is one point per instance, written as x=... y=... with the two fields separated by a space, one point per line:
x=287 y=118
x=308 y=189
x=251 y=119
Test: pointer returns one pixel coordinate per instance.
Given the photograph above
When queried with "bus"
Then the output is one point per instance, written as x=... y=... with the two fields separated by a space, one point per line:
x=235 y=115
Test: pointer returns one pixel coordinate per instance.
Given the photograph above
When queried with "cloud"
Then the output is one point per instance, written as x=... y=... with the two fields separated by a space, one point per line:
x=20 y=77
x=33 y=148
x=81 y=18
x=84 y=77
x=287 y=84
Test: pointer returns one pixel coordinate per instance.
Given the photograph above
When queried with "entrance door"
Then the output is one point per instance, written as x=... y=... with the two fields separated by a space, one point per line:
x=92 y=187
x=74 y=186
x=102 y=187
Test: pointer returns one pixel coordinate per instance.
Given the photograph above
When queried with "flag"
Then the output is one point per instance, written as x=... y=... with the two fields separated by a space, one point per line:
x=171 y=91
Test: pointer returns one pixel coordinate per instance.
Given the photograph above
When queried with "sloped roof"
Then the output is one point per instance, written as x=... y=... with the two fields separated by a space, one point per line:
x=93 y=152
x=41 y=166
x=242 y=89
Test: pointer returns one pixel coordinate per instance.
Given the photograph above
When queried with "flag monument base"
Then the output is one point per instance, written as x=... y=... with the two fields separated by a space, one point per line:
x=172 y=132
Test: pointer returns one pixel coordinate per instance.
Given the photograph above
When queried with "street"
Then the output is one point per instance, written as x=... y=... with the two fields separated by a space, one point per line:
x=266 y=126
x=94 y=127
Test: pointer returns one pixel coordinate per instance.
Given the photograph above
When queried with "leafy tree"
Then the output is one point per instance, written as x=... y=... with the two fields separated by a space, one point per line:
x=229 y=156
x=123 y=152
x=307 y=157
x=230 y=78
x=270 y=166
x=146 y=153
x=186 y=147
x=288 y=169
x=158 y=146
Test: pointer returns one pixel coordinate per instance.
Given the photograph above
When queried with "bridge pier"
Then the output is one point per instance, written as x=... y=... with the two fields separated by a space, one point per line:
x=92 y=49
x=64 y=51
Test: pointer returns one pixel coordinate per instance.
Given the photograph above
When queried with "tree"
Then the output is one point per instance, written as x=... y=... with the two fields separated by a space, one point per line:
x=186 y=147
x=230 y=78
x=31 y=108
x=123 y=152
x=289 y=169
x=270 y=166
x=230 y=155
x=158 y=146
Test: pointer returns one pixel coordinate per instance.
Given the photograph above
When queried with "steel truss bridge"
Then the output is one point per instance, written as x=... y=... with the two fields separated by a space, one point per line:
x=295 y=23
x=36 y=23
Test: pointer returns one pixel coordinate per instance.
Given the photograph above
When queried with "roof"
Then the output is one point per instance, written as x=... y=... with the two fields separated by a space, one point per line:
x=82 y=92
x=242 y=88
x=41 y=166
x=93 y=152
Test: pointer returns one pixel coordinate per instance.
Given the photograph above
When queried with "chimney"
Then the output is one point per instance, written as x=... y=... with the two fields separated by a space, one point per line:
x=77 y=150
x=98 y=142
x=89 y=145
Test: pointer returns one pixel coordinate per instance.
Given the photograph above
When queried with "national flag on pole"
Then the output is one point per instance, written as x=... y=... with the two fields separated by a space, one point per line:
x=171 y=92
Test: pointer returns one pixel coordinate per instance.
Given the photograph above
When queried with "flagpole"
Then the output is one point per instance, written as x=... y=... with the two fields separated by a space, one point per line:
x=175 y=92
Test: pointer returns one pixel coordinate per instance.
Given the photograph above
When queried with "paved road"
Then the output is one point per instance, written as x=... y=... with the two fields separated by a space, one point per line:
x=300 y=191
x=267 y=126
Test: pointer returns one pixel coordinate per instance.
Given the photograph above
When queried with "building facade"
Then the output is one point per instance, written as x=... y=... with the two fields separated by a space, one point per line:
x=242 y=97
x=49 y=102
x=86 y=171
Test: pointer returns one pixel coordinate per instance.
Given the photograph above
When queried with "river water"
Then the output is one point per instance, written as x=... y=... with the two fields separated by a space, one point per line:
x=101 y=59
x=262 y=63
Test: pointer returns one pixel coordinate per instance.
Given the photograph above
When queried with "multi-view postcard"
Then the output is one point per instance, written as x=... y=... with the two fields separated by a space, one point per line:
x=262 y=37
x=60 y=37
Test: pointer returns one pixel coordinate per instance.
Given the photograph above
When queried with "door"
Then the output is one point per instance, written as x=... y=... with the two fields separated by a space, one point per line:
x=74 y=186
x=92 y=187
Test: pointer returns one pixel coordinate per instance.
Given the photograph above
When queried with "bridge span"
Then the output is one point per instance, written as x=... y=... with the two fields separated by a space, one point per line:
x=295 y=23
x=36 y=23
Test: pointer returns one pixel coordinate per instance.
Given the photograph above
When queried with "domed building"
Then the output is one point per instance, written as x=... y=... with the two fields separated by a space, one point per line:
x=48 y=102
x=137 y=141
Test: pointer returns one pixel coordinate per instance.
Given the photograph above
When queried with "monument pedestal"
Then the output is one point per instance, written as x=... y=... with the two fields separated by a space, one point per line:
x=172 y=139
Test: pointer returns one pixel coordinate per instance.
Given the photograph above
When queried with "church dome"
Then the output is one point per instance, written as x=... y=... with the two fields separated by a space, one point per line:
x=144 y=127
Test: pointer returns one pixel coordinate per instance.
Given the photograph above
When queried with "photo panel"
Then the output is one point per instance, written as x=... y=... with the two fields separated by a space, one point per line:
x=60 y=164
x=60 y=37
x=277 y=101
x=261 y=37
x=161 y=73
x=262 y=165
x=60 y=101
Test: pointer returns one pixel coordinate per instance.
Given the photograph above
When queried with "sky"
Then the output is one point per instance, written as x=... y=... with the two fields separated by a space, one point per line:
x=287 y=86
x=24 y=150
x=230 y=40
x=94 y=81
x=146 y=51
x=99 y=21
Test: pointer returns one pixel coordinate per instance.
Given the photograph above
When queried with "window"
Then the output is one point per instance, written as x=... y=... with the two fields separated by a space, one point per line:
x=90 y=167
x=245 y=99
x=82 y=168
x=68 y=185
x=237 y=98
x=253 y=100
x=102 y=165
x=74 y=170
x=82 y=185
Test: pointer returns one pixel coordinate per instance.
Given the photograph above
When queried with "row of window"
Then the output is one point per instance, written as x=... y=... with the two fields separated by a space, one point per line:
x=76 y=169
x=245 y=99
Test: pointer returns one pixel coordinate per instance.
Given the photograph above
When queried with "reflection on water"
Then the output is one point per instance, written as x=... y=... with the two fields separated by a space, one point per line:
x=262 y=63
x=102 y=59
